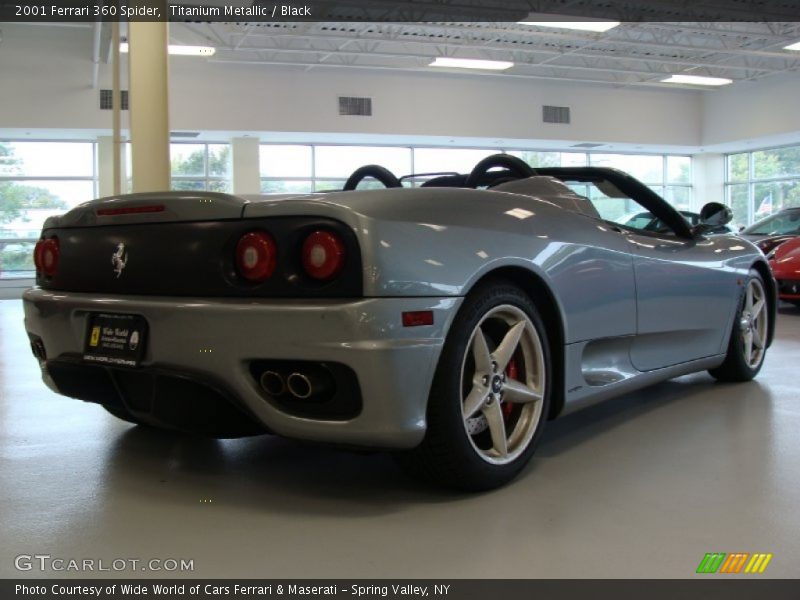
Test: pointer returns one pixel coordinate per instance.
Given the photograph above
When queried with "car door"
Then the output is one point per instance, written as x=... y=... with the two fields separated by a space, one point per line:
x=684 y=298
x=684 y=293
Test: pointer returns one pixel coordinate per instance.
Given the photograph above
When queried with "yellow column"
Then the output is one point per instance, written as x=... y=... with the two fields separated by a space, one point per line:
x=106 y=147
x=149 y=105
x=116 y=105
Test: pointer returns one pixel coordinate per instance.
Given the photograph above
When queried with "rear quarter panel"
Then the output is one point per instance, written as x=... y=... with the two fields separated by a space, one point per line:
x=440 y=242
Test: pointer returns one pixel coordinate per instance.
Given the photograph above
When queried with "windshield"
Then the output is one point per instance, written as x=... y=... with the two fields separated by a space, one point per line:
x=648 y=222
x=780 y=224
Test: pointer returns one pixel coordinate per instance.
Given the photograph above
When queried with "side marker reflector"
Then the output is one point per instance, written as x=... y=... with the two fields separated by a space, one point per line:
x=417 y=318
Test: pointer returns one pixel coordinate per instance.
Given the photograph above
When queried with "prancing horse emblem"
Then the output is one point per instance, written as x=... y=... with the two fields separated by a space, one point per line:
x=119 y=259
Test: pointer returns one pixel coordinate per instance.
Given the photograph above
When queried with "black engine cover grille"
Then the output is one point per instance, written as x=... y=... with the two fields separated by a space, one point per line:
x=159 y=397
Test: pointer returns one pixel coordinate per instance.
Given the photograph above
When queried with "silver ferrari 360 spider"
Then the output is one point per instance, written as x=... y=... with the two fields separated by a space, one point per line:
x=448 y=319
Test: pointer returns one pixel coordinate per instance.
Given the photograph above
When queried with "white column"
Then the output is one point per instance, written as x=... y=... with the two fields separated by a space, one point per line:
x=708 y=179
x=245 y=167
x=149 y=105
x=105 y=166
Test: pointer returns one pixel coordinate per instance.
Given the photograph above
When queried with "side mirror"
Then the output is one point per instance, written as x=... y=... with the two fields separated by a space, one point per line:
x=715 y=214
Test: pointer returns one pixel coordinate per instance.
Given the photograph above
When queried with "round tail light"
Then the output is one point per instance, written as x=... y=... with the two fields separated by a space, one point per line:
x=256 y=256
x=37 y=255
x=49 y=253
x=323 y=255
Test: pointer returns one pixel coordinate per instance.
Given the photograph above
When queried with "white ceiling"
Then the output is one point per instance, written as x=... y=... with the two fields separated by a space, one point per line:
x=633 y=54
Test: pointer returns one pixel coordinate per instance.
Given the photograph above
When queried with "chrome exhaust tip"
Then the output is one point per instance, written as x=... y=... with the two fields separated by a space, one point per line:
x=273 y=383
x=300 y=386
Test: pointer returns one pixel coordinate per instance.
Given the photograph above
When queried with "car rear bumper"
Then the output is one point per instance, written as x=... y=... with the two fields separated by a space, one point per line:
x=215 y=342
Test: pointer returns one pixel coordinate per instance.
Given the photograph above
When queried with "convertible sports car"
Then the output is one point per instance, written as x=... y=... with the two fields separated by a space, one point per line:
x=449 y=320
x=785 y=263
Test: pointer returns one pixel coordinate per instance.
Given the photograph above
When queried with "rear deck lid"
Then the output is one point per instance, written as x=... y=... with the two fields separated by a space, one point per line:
x=161 y=207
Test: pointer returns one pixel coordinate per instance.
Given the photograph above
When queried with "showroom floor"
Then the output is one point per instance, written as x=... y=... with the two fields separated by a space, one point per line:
x=641 y=486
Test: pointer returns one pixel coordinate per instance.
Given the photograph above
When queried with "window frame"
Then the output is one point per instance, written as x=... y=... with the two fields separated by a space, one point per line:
x=662 y=185
x=23 y=276
x=206 y=178
x=752 y=181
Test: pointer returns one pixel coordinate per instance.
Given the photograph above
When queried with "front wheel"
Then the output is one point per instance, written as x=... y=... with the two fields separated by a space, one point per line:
x=490 y=395
x=748 y=344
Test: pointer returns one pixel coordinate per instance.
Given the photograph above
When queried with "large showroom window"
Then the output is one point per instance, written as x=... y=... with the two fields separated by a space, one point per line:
x=37 y=180
x=299 y=169
x=288 y=169
x=333 y=164
x=451 y=160
x=197 y=167
x=306 y=168
x=760 y=183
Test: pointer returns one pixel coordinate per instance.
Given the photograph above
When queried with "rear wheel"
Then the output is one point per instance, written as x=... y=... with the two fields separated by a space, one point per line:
x=490 y=395
x=748 y=343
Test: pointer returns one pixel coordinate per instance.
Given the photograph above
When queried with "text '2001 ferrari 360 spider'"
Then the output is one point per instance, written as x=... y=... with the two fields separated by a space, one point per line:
x=447 y=321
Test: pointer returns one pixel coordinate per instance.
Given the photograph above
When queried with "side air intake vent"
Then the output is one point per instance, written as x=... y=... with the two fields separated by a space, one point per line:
x=355 y=107
x=555 y=114
x=107 y=99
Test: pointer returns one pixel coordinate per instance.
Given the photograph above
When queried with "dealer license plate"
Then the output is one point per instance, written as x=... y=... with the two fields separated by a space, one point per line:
x=115 y=339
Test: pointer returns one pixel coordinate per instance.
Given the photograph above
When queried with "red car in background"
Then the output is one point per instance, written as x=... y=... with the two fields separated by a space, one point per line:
x=785 y=263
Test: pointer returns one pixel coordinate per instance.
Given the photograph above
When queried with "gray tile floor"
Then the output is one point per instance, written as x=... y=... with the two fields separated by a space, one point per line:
x=641 y=486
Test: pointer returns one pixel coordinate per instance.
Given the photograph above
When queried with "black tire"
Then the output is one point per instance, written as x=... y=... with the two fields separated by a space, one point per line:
x=795 y=302
x=449 y=455
x=735 y=368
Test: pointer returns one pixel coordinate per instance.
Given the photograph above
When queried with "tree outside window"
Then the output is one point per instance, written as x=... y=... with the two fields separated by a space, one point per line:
x=19 y=201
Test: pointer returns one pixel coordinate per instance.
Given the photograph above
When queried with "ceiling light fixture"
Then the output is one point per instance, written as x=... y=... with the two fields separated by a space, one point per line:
x=596 y=26
x=177 y=50
x=471 y=63
x=697 y=80
x=795 y=46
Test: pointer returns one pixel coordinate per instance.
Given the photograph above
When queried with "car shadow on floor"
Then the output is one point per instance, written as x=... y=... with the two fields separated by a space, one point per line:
x=268 y=471
x=573 y=429
x=264 y=471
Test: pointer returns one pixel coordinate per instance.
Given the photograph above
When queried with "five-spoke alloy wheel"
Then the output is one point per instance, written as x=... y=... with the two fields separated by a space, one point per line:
x=506 y=385
x=750 y=335
x=491 y=392
x=753 y=323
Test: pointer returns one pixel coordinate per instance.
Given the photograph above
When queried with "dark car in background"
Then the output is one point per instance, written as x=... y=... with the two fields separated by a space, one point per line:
x=774 y=230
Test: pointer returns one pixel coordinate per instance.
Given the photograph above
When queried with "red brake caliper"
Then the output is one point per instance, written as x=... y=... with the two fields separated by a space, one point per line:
x=512 y=372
